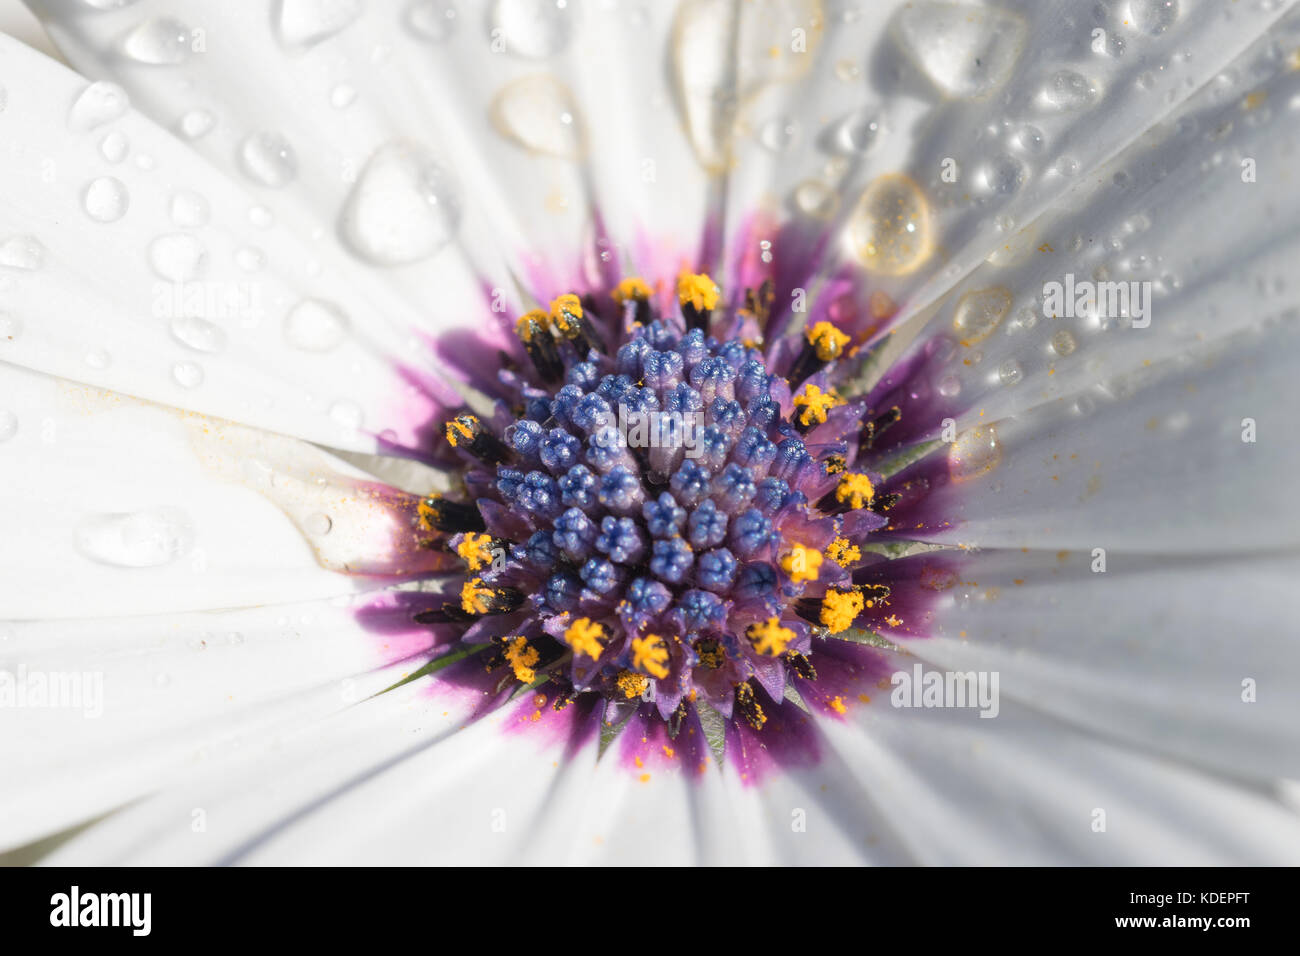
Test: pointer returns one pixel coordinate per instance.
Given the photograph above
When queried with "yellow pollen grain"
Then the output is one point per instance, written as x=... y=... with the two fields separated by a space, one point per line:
x=813 y=404
x=827 y=340
x=843 y=552
x=473 y=595
x=474 y=550
x=837 y=704
x=698 y=290
x=584 y=636
x=458 y=430
x=650 y=654
x=839 y=609
x=531 y=322
x=522 y=657
x=633 y=288
x=855 y=490
x=802 y=563
x=631 y=684
x=769 y=637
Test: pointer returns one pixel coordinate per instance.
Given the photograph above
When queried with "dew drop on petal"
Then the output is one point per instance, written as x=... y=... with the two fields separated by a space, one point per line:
x=301 y=24
x=140 y=539
x=1004 y=175
x=346 y=414
x=1010 y=372
x=1152 y=17
x=1067 y=90
x=890 y=230
x=975 y=452
x=97 y=104
x=198 y=333
x=317 y=525
x=114 y=147
x=539 y=114
x=8 y=424
x=260 y=217
x=177 y=257
x=315 y=326
x=189 y=209
x=532 y=28
x=187 y=374
x=855 y=134
x=343 y=96
x=967 y=51
x=431 y=19
x=1063 y=342
x=196 y=123
x=267 y=159
x=22 y=252
x=249 y=259
x=814 y=198
x=1030 y=139
x=979 y=312
x=778 y=134
x=158 y=41
x=106 y=199
x=98 y=359
x=404 y=207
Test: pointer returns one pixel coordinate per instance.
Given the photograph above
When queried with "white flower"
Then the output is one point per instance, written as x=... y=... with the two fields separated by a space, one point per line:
x=249 y=265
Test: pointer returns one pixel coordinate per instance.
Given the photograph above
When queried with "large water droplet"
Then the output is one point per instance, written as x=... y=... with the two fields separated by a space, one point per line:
x=966 y=51
x=975 y=452
x=404 y=207
x=979 y=312
x=187 y=374
x=8 y=424
x=534 y=28
x=1004 y=175
x=97 y=104
x=141 y=539
x=1152 y=17
x=189 y=209
x=1063 y=342
x=315 y=326
x=304 y=23
x=538 y=113
x=890 y=230
x=196 y=123
x=1010 y=372
x=177 y=257
x=22 y=252
x=198 y=333
x=1068 y=90
x=431 y=19
x=268 y=159
x=106 y=199
x=158 y=41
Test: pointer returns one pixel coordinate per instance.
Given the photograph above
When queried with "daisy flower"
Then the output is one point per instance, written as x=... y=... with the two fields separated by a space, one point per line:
x=708 y=431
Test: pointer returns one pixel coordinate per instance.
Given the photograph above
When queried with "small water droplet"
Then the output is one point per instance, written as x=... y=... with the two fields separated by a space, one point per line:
x=197 y=123
x=967 y=51
x=343 y=96
x=979 y=312
x=249 y=259
x=98 y=359
x=187 y=374
x=1004 y=175
x=317 y=525
x=97 y=104
x=539 y=114
x=177 y=257
x=778 y=134
x=1030 y=139
x=189 y=209
x=304 y=23
x=260 y=217
x=159 y=41
x=114 y=147
x=431 y=19
x=8 y=424
x=890 y=229
x=975 y=452
x=533 y=28
x=1067 y=166
x=404 y=207
x=816 y=199
x=1152 y=17
x=1067 y=90
x=140 y=539
x=267 y=159
x=1010 y=372
x=1063 y=342
x=106 y=199
x=347 y=414
x=22 y=252
x=855 y=134
x=315 y=326
x=846 y=71
x=949 y=386
x=198 y=333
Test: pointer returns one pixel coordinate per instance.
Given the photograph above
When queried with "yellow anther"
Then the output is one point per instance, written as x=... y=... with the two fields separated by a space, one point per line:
x=530 y=323
x=650 y=654
x=769 y=637
x=843 y=552
x=475 y=550
x=835 y=464
x=584 y=636
x=631 y=684
x=855 y=490
x=522 y=657
x=474 y=595
x=426 y=510
x=634 y=288
x=699 y=291
x=827 y=340
x=461 y=428
x=813 y=404
x=802 y=563
x=840 y=609
x=565 y=310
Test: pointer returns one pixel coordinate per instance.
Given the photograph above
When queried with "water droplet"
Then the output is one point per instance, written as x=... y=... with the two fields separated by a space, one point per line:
x=975 y=452
x=198 y=333
x=249 y=259
x=778 y=134
x=187 y=374
x=304 y=23
x=846 y=71
x=1067 y=166
x=267 y=159
x=10 y=327
x=855 y=134
x=98 y=359
x=816 y=199
x=162 y=679
x=317 y=525
x=347 y=414
x=260 y=217
x=159 y=41
x=114 y=147
x=890 y=229
x=97 y=104
x=1068 y=90
x=106 y=199
x=1010 y=372
x=949 y=386
x=197 y=123
x=966 y=51
x=404 y=207
x=177 y=257
x=315 y=326
x=979 y=312
x=1152 y=17
x=431 y=19
x=189 y=209
x=533 y=28
x=1030 y=139
x=1004 y=175
x=22 y=252
x=141 y=539
x=343 y=96
x=539 y=114
x=1063 y=342
x=8 y=424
